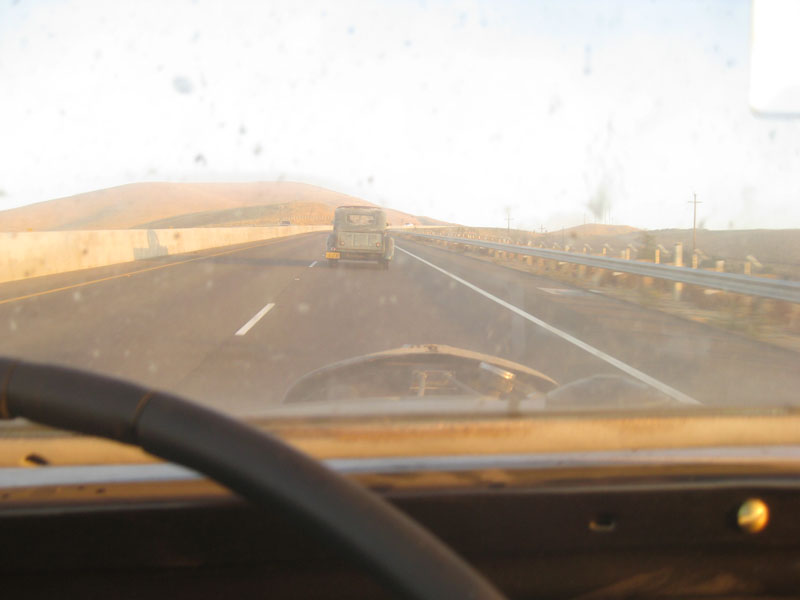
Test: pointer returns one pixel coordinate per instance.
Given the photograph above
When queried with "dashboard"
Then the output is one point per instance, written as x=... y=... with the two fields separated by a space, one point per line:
x=562 y=532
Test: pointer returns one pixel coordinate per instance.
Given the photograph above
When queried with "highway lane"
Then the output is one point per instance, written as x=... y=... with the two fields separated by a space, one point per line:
x=711 y=365
x=175 y=326
x=153 y=326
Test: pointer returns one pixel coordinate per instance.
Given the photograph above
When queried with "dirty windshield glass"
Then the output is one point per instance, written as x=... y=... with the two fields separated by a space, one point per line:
x=589 y=205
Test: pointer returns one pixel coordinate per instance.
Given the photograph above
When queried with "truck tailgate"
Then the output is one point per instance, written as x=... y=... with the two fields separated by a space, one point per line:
x=351 y=240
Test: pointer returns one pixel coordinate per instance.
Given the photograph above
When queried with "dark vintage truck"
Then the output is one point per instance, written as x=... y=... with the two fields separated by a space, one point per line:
x=359 y=233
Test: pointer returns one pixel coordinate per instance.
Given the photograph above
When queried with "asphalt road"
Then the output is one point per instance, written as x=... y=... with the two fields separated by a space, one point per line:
x=234 y=327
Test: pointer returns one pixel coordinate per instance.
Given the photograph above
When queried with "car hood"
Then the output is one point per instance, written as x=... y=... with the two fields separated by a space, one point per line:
x=444 y=380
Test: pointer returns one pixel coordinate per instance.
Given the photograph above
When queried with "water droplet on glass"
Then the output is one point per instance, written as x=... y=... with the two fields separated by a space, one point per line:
x=182 y=85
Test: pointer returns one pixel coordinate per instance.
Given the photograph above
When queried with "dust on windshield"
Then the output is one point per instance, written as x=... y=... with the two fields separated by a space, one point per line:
x=590 y=205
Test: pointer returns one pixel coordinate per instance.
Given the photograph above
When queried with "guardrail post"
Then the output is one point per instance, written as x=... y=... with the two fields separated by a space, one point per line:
x=677 y=287
x=671 y=272
x=694 y=260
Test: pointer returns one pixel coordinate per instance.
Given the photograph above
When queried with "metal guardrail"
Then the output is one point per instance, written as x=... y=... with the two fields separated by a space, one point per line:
x=748 y=285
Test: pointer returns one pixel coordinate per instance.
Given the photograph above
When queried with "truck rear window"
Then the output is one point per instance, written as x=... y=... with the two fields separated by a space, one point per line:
x=361 y=219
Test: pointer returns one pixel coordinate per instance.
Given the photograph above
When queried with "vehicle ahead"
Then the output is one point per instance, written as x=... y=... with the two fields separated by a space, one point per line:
x=359 y=233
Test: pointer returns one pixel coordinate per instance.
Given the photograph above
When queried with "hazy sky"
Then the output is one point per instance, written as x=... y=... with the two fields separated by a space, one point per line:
x=563 y=111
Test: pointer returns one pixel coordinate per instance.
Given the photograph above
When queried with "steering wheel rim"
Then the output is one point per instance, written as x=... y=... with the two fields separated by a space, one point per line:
x=398 y=551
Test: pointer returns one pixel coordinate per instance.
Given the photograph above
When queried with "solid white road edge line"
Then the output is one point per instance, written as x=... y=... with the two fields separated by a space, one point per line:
x=256 y=318
x=312 y=264
x=637 y=374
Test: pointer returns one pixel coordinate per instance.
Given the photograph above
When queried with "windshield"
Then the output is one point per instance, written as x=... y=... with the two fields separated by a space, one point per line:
x=589 y=205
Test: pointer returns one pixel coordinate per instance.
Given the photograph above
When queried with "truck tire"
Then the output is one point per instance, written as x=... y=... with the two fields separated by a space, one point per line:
x=388 y=253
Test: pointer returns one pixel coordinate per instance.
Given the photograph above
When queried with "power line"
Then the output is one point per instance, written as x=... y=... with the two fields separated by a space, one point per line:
x=694 y=222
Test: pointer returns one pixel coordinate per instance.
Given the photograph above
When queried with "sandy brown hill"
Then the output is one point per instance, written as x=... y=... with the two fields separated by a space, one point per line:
x=599 y=229
x=775 y=246
x=777 y=250
x=297 y=213
x=139 y=204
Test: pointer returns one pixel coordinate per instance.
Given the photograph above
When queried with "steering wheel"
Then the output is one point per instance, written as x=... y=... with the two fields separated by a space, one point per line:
x=407 y=558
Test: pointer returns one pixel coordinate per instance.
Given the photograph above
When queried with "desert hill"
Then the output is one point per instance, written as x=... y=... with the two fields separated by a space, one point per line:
x=599 y=229
x=774 y=246
x=776 y=250
x=156 y=204
x=297 y=213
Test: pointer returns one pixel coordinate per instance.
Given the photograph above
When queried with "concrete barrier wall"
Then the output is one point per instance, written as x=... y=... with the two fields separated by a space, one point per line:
x=36 y=253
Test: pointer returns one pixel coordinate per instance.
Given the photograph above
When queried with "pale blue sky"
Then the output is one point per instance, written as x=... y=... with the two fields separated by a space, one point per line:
x=451 y=109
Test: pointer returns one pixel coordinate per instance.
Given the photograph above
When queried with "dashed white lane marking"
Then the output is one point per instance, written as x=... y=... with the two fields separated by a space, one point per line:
x=256 y=318
x=625 y=368
x=312 y=264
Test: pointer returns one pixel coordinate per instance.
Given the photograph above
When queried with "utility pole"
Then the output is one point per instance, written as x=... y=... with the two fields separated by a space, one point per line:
x=508 y=219
x=694 y=223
